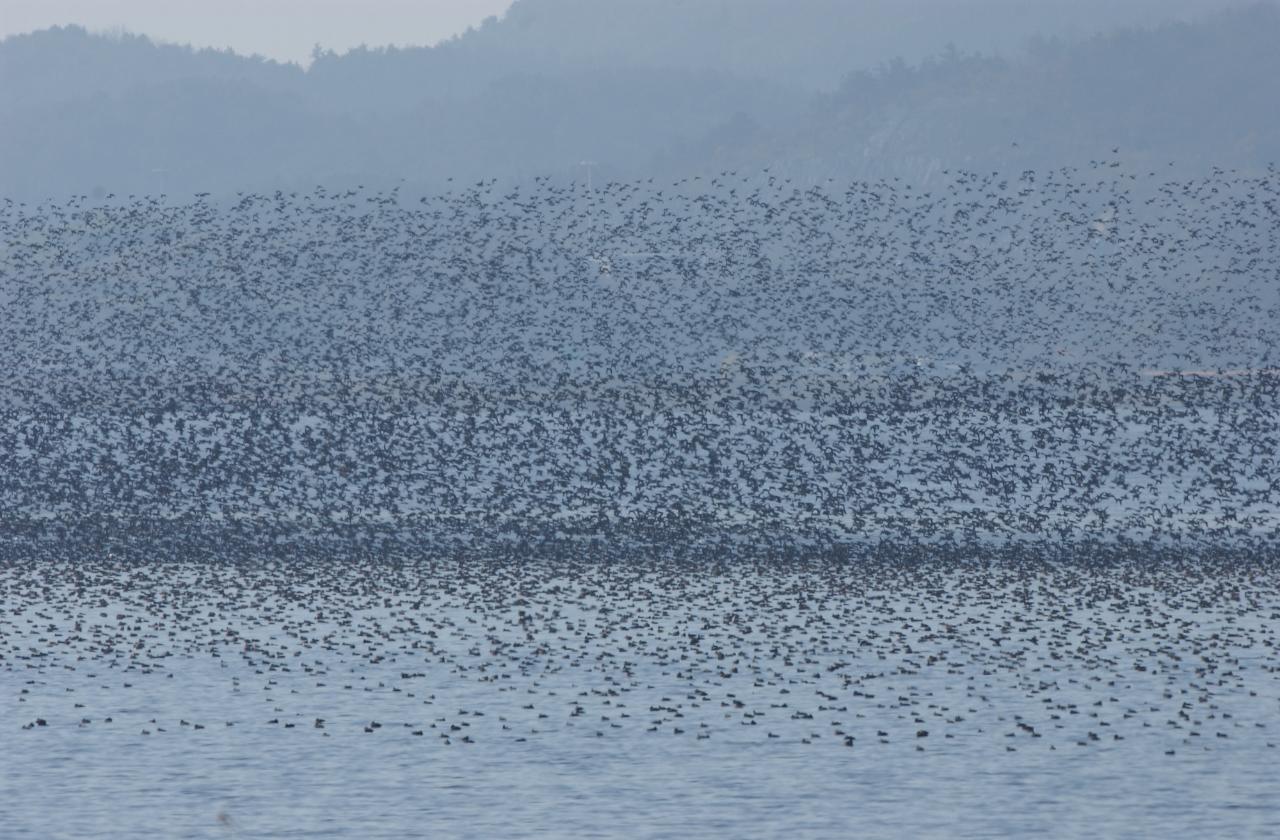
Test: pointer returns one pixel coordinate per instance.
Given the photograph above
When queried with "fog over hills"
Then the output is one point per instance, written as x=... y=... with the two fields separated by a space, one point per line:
x=817 y=89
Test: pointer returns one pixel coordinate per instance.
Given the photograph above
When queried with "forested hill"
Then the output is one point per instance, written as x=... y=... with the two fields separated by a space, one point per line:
x=822 y=89
x=1186 y=97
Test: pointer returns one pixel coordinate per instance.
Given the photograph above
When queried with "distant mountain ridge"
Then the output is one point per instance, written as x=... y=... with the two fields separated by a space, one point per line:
x=654 y=88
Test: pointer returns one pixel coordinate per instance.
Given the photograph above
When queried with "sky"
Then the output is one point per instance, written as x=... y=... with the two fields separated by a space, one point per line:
x=285 y=30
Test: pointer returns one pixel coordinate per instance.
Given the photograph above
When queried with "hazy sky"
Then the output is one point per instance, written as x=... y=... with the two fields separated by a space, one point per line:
x=280 y=29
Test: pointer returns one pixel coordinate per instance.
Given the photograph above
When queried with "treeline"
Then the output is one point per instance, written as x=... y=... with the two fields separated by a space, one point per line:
x=826 y=89
x=1186 y=97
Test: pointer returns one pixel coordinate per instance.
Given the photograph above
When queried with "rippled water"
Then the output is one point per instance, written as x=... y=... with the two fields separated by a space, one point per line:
x=595 y=700
x=269 y=785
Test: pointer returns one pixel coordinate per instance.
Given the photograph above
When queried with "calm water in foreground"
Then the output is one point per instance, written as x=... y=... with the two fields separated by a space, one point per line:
x=588 y=699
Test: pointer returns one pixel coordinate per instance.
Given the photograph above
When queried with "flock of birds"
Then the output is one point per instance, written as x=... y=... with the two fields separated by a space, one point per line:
x=503 y=645
x=1172 y=460
x=142 y=301
x=992 y=462
x=1059 y=356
